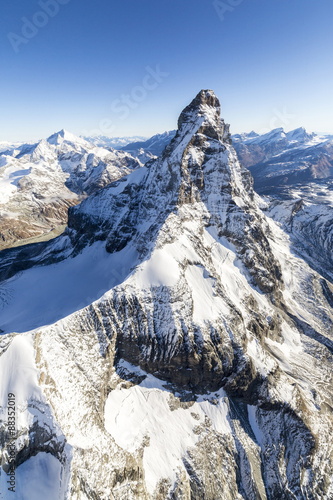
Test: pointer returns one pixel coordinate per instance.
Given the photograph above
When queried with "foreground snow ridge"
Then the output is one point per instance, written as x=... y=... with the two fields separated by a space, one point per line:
x=170 y=343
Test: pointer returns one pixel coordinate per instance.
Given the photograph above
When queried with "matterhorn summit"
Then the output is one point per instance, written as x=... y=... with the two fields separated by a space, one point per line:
x=176 y=347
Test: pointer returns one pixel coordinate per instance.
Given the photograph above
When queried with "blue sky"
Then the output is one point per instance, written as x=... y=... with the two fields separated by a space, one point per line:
x=129 y=67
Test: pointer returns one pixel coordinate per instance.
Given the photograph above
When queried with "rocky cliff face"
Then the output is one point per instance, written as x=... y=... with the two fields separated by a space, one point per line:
x=192 y=355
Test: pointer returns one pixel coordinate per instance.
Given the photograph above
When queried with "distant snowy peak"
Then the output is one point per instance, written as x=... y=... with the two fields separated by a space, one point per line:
x=280 y=158
x=292 y=138
x=113 y=142
x=62 y=136
x=6 y=147
x=42 y=150
x=38 y=182
x=300 y=135
x=153 y=146
x=244 y=136
x=16 y=149
x=274 y=135
x=145 y=149
x=62 y=142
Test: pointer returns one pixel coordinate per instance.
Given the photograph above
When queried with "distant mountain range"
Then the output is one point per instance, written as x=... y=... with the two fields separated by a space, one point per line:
x=155 y=145
x=113 y=142
x=280 y=158
x=38 y=182
x=275 y=159
x=47 y=177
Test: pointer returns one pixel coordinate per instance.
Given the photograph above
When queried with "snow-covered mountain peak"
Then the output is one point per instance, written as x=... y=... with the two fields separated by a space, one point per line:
x=113 y=142
x=297 y=131
x=154 y=146
x=188 y=349
x=280 y=158
x=38 y=182
x=205 y=105
x=299 y=135
x=42 y=150
x=277 y=135
x=274 y=135
x=63 y=135
x=198 y=172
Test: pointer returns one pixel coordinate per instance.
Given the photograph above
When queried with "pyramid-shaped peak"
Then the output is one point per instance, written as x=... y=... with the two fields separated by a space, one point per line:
x=205 y=103
x=299 y=134
x=63 y=135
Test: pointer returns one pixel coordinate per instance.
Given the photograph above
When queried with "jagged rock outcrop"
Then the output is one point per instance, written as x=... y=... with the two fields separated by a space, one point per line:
x=195 y=362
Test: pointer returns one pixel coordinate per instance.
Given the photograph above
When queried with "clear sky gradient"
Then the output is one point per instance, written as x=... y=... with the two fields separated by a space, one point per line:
x=128 y=67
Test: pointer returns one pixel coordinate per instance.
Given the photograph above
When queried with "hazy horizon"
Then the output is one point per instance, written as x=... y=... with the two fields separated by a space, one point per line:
x=145 y=137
